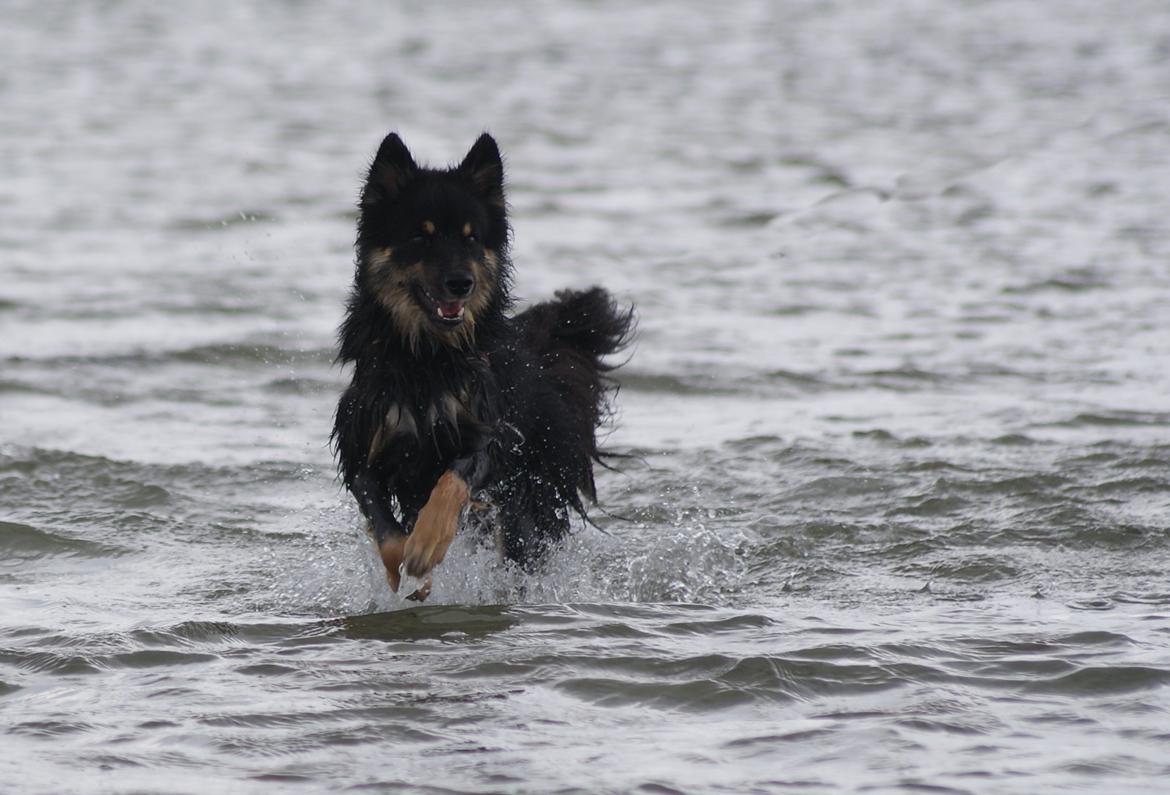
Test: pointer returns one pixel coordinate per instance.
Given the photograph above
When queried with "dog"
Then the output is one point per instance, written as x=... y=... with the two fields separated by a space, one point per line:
x=455 y=403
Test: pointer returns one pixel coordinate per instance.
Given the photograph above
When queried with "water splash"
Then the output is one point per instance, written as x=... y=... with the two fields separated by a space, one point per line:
x=334 y=569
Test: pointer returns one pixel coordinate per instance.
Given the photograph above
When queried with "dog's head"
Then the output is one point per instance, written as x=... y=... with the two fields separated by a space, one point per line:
x=432 y=243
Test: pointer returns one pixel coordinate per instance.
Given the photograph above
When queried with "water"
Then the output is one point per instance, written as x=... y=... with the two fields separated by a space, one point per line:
x=896 y=517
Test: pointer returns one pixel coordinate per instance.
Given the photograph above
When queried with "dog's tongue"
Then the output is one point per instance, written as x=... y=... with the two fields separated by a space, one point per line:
x=450 y=309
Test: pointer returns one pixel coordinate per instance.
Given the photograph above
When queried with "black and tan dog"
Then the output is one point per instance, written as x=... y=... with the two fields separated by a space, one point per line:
x=454 y=402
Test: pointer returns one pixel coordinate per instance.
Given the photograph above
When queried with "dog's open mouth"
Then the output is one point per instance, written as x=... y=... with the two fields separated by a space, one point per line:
x=445 y=313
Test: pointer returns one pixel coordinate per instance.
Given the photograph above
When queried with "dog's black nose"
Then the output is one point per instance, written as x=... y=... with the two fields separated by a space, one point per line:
x=459 y=285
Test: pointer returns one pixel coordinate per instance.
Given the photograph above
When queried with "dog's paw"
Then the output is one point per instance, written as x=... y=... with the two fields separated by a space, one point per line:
x=426 y=546
x=433 y=531
x=392 y=551
x=421 y=593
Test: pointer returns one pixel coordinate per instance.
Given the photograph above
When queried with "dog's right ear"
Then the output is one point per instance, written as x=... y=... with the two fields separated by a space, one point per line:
x=485 y=168
x=392 y=168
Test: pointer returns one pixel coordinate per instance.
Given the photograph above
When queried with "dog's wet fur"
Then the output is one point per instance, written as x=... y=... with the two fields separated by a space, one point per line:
x=455 y=403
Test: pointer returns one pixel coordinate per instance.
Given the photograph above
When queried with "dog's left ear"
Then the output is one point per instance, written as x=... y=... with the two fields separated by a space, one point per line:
x=485 y=168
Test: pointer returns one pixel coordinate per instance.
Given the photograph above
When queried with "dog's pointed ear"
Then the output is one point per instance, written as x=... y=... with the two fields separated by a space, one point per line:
x=392 y=168
x=484 y=167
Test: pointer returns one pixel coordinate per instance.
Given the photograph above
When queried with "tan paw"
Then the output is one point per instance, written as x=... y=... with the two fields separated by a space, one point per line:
x=421 y=593
x=392 y=551
x=435 y=528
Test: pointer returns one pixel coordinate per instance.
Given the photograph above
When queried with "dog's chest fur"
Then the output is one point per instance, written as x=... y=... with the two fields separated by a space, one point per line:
x=439 y=419
x=424 y=424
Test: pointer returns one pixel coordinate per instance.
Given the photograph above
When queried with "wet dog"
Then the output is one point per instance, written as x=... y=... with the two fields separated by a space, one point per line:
x=455 y=403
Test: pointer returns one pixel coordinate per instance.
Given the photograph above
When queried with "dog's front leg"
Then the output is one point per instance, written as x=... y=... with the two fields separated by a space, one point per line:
x=433 y=531
x=391 y=549
x=386 y=531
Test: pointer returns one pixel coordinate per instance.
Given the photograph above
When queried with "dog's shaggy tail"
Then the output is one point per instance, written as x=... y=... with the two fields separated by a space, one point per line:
x=572 y=334
x=587 y=322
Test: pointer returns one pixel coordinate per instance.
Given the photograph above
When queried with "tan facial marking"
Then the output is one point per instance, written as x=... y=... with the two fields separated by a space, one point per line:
x=393 y=289
x=380 y=259
x=428 y=227
x=393 y=285
x=467 y=230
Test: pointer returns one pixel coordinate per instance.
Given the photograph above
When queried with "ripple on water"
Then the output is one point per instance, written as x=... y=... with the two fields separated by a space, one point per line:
x=715 y=682
x=20 y=543
x=1117 y=418
x=1102 y=680
x=428 y=623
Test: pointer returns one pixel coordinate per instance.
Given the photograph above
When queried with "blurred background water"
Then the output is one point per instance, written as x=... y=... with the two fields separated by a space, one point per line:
x=897 y=517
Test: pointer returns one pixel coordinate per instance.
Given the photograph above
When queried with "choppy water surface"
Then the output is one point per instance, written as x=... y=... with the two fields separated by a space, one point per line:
x=897 y=513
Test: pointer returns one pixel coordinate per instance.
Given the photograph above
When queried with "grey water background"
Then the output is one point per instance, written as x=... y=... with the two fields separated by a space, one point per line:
x=897 y=514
